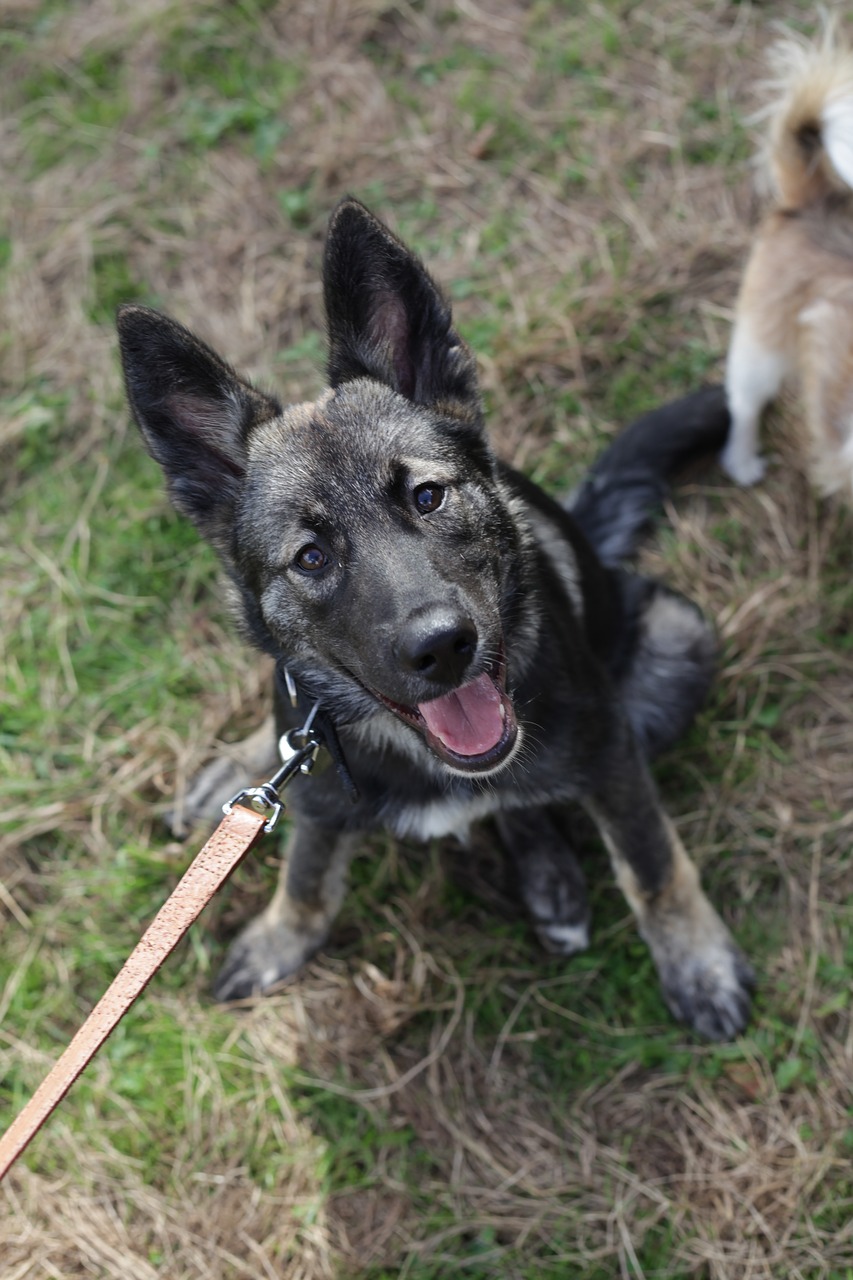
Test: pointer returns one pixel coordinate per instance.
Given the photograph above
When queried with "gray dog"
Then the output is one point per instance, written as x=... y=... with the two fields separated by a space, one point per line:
x=477 y=647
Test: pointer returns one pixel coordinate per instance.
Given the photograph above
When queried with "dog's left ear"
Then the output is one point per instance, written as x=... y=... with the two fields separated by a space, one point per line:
x=388 y=319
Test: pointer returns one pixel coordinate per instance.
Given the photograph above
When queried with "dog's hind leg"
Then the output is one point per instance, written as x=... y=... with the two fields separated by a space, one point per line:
x=549 y=878
x=706 y=979
x=670 y=666
x=826 y=376
x=239 y=765
x=298 y=919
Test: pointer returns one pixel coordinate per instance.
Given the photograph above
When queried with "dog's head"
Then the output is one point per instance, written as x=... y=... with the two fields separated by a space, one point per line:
x=367 y=533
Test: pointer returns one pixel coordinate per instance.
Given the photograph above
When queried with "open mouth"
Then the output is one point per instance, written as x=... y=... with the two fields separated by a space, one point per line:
x=474 y=728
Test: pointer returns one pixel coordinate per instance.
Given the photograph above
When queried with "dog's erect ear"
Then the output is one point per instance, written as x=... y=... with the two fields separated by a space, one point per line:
x=387 y=318
x=193 y=410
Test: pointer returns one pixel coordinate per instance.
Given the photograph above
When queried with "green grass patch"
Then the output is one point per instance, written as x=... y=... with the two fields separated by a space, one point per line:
x=70 y=108
x=231 y=84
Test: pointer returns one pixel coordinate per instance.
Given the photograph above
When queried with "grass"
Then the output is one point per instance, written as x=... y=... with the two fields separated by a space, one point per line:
x=433 y=1096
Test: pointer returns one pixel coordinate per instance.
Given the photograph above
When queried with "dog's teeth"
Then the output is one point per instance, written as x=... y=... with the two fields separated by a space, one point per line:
x=503 y=711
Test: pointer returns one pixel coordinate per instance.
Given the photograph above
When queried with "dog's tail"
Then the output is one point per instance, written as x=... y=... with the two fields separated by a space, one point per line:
x=809 y=153
x=628 y=482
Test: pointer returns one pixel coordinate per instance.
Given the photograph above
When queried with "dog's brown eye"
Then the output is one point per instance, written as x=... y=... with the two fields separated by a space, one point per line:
x=311 y=559
x=428 y=497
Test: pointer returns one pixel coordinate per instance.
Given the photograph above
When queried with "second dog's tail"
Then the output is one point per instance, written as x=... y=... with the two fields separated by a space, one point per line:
x=628 y=482
x=810 y=144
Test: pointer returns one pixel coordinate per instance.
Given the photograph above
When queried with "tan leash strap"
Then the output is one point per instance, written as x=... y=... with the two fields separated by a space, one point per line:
x=211 y=867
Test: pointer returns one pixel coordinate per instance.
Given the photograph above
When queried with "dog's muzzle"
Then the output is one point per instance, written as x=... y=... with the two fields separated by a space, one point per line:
x=473 y=729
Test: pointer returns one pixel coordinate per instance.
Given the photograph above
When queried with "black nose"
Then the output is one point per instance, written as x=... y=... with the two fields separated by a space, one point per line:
x=438 y=645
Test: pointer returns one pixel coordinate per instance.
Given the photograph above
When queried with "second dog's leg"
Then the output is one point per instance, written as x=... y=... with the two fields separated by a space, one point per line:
x=754 y=375
x=298 y=919
x=826 y=343
x=550 y=879
x=706 y=979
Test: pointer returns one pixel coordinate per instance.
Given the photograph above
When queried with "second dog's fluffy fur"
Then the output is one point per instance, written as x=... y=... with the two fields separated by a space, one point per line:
x=794 y=316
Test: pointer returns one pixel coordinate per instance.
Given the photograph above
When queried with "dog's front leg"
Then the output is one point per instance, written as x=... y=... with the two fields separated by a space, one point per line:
x=754 y=376
x=706 y=979
x=297 y=921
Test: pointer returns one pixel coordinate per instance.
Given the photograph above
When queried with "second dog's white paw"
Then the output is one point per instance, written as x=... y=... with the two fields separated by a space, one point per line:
x=744 y=469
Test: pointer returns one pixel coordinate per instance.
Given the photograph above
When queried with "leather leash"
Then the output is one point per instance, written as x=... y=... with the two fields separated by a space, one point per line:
x=231 y=841
x=237 y=833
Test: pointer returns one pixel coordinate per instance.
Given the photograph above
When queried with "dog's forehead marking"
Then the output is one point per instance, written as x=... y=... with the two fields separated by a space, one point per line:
x=352 y=440
x=366 y=424
x=270 y=436
x=300 y=451
x=421 y=469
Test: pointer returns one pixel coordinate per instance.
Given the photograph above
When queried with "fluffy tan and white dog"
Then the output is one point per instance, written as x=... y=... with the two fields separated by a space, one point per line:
x=794 y=320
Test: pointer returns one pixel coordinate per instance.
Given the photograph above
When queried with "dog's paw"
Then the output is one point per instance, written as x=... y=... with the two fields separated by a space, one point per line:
x=744 y=468
x=711 y=989
x=261 y=956
x=563 y=939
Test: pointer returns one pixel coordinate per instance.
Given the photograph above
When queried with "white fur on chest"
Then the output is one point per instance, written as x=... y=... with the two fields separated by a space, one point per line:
x=451 y=817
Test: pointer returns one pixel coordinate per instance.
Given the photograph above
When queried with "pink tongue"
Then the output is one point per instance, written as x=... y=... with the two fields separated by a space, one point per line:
x=468 y=721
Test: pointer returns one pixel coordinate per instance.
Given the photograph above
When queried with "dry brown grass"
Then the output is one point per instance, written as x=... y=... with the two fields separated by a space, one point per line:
x=710 y=1167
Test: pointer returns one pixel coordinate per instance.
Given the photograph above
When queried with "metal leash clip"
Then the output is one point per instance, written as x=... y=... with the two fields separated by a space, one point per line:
x=298 y=750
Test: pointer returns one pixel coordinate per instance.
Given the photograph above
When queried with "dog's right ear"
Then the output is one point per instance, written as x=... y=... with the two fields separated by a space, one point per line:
x=194 y=412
